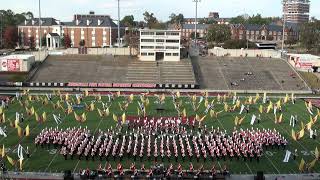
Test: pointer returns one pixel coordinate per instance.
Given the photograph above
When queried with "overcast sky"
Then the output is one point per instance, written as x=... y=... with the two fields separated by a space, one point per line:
x=64 y=9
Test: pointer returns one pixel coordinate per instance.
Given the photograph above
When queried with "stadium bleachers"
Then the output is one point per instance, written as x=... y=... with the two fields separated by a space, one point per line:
x=265 y=74
x=161 y=72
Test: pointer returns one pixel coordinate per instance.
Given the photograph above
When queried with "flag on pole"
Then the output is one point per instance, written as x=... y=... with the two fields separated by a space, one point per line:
x=115 y=118
x=123 y=118
x=11 y=161
x=312 y=164
x=3 y=151
x=253 y=119
x=316 y=152
x=301 y=165
x=27 y=130
x=44 y=116
x=236 y=121
x=293 y=135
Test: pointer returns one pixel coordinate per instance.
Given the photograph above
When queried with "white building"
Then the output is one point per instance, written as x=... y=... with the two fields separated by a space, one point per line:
x=159 y=45
x=16 y=63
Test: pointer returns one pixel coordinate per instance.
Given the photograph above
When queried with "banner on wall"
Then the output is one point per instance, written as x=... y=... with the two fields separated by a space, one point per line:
x=13 y=65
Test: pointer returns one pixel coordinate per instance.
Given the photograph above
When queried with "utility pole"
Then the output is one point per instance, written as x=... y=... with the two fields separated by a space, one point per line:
x=196 y=21
x=40 y=34
x=118 y=23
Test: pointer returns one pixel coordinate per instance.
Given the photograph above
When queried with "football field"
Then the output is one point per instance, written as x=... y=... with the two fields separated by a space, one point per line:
x=46 y=159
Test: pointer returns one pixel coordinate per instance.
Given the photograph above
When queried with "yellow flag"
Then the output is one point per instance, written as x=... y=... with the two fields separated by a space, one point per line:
x=19 y=131
x=311 y=164
x=123 y=118
x=194 y=98
x=36 y=116
x=201 y=119
x=197 y=117
x=178 y=94
x=301 y=166
x=238 y=103
x=32 y=111
x=212 y=113
x=76 y=116
x=293 y=135
x=107 y=112
x=3 y=151
x=314 y=119
x=27 y=130
x=11 y=161
x=44 y=116
x=226 y=107
x=67 y=97
x=301 y=134
x=83 y=117
x=184 y=113
x=236 y=121
x=115 y=118
x=218 y=97
x=100 y=112
x=86 y=93
x=1 y=110
x=16 y=123
x=163 y=97
x=138 y=111
x=118 y=94
x=280 y=118
x=92 y=106
x=131 y=97
x=241 y=120
x=316 y=152
x=310 y=105
x=279 y=103
x=206 y=103
x=261 y=109
x=20 y=162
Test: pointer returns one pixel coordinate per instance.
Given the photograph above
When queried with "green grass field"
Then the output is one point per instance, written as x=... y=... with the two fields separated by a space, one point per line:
x=50 y=160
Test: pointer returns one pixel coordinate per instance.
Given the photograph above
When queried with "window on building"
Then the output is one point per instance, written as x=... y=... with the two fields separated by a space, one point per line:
x=159 y=40
x=172 y=47
x=168 y=54
x=172 y=34
x=159 y=47
x=172 y=41
x=175 y=54
x=160 y=33
x=147 y=40
x=150 y=54
x=147 y=33
x=144 y=54
x=147 y=47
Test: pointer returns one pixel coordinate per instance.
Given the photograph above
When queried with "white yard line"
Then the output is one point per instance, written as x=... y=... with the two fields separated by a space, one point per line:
x=54 y=157
x=249 y=168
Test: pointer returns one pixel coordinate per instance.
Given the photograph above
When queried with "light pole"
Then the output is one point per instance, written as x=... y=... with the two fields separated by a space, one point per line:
x=284 y=26
x=118 y=23
x=196 y=20
x=40 y=34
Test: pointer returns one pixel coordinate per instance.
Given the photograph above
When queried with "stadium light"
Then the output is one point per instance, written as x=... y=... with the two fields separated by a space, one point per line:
x=196 y=20
x=118 y=23
x=40 y=34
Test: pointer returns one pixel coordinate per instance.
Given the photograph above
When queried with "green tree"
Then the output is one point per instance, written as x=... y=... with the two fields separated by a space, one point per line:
x=238 y=20
x=254 y=19
x=150 y=19
x=192 y=35
x=218 y=33
x=128 y=21
x=176 y=19
x=310 y=35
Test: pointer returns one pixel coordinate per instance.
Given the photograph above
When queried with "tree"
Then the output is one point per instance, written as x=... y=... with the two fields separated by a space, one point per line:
x=67 y=41
x=192 y=35
x=10 y=37
x=310 y=35
x=238 y=20
x=82 y=43
x=128 y=21
x=176 y=19
x=290 y=41
x=254 y=19
x=150 y=19
x=207 y=21
x=31 y=42
x=218 y=33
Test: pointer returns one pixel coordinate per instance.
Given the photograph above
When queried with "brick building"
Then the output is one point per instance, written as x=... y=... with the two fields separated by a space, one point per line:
x=94 y=30
x=262 y=32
